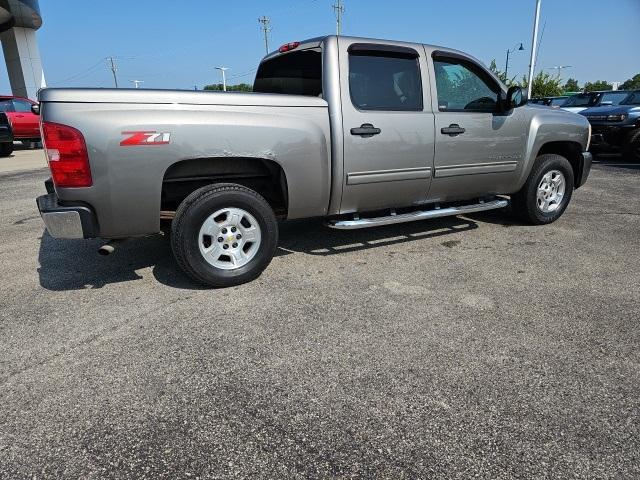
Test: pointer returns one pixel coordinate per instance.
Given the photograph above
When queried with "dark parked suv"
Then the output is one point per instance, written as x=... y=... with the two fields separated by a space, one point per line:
x=617 y=126
x=577 y=103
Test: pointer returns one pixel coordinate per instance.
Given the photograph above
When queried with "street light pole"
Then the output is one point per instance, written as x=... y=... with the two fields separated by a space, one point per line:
x=514 y=49
x=559 y=68
x=534 y=47
x=224 y=77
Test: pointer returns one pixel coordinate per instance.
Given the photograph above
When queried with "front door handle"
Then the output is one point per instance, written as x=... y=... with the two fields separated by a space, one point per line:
x=365 y=130
x=453 y=130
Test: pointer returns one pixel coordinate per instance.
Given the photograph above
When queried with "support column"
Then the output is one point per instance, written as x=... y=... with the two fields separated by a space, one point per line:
x=22 y=57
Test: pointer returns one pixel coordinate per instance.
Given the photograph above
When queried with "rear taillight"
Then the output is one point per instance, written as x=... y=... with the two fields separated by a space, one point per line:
x=67 y=155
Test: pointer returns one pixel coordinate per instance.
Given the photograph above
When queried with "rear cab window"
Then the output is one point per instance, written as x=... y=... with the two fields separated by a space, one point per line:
x=292 y=73
x=385 y=79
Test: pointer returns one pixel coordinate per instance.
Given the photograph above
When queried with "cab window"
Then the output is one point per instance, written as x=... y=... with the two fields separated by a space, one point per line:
x=6 y=106
x=463 y=86
x=21 y=105
x=385 y=80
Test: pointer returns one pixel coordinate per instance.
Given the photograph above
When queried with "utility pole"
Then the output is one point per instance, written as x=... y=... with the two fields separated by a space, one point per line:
x=136 y=82
x=266 y=28
x=534 y=46
x=339 y=11
x=114 y=69
x=195 y=87
x=224 y=77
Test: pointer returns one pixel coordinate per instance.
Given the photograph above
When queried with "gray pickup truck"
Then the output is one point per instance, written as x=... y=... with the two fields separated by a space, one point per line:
x=362 y=132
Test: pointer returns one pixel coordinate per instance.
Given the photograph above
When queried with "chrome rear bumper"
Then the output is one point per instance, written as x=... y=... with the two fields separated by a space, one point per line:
x=66 y=221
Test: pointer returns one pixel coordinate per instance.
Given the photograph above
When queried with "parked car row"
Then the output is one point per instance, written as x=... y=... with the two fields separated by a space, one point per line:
x=614 y=117
x=17 y=122
x=617 y=125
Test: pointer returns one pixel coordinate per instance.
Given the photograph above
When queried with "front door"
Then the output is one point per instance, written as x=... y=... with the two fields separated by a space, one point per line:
x=26 y=123
x=387 y=125
x=479 y=148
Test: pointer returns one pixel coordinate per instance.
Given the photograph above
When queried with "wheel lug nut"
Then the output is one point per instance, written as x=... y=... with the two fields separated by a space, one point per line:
x=238 y=236
x=220 y=239
x=225 y=246
x=233 y=229
x=224 y=230
x=235 y=245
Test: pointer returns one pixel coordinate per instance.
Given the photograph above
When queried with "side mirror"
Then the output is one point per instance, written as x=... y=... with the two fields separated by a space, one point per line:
x=516 y=97
x=35 y=109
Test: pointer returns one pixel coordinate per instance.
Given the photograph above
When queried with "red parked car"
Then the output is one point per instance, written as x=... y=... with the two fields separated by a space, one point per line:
x=24 y=122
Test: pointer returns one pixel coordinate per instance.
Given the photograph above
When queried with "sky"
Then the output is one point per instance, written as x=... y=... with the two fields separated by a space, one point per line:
x=177 y=44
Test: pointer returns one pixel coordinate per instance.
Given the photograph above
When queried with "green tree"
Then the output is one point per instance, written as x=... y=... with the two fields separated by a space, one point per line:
x=544 y=85
x=571 y=85
x=597 y=85
x=631 y=84
x=241 y=87
x=501 y=75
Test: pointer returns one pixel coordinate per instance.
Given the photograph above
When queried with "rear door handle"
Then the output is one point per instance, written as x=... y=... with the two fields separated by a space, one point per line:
x=365 y=130
x=453 y=130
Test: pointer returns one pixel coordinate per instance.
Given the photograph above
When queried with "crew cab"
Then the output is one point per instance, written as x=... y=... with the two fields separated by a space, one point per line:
x=24 y=122
x=362 y=132
x=617 y=126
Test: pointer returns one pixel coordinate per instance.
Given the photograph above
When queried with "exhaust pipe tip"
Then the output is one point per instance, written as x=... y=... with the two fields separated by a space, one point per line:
x=106 y=249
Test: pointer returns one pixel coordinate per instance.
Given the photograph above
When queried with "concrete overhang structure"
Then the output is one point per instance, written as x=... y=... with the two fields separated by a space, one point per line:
x=19 y=20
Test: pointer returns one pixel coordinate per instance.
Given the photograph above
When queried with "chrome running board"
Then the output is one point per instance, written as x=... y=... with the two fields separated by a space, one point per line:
x=418 y=215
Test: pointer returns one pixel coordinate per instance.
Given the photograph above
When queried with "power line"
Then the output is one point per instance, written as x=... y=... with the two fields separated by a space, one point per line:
x=339 y=11
x=266 y=28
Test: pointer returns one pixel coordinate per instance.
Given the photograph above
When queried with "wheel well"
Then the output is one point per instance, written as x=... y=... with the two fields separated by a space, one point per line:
x=263 y=176
x=572 y=151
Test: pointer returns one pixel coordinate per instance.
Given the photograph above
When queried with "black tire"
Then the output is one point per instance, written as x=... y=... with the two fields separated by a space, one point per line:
x=525 y=202
x=631 y=147
x=6 y=149
x=192 y=213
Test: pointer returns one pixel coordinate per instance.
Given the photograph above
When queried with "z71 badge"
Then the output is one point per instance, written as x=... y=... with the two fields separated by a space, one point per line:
x=145 y=138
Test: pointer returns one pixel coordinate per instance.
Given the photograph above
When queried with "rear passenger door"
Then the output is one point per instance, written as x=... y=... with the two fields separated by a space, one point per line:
x=479 y=148
x=387 y=126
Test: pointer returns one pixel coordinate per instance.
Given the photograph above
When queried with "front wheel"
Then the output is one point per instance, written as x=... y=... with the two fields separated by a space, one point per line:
x=224 y=235
x=6 y=149
x=631 y=147
x=547 y=192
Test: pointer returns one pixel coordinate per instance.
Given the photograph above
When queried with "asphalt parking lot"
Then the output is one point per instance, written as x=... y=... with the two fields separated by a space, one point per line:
x=471 y=346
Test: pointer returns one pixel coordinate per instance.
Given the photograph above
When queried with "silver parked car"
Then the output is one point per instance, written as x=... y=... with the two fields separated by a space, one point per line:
x=351 y=129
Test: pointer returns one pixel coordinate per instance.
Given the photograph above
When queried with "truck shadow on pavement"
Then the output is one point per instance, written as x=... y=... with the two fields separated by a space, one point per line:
x=76 y=265
x=312 y=237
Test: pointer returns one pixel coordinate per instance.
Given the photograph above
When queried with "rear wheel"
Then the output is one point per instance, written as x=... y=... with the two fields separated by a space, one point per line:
x=547 y=192
x=224 y=235
x=631 y=147
x=6 y=149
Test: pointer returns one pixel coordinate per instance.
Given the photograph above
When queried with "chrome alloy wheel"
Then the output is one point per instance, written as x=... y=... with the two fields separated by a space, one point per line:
x=551 y=191
x=229 y=238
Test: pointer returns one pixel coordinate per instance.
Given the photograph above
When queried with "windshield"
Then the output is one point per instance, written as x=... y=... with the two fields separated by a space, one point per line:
x=296 y=73
x=556 y=102
x=581 y=100
x=631 y=99
x=614 y=97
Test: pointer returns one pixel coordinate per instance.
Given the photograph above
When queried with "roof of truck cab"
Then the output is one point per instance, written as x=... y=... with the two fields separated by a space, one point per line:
x=317 y=41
